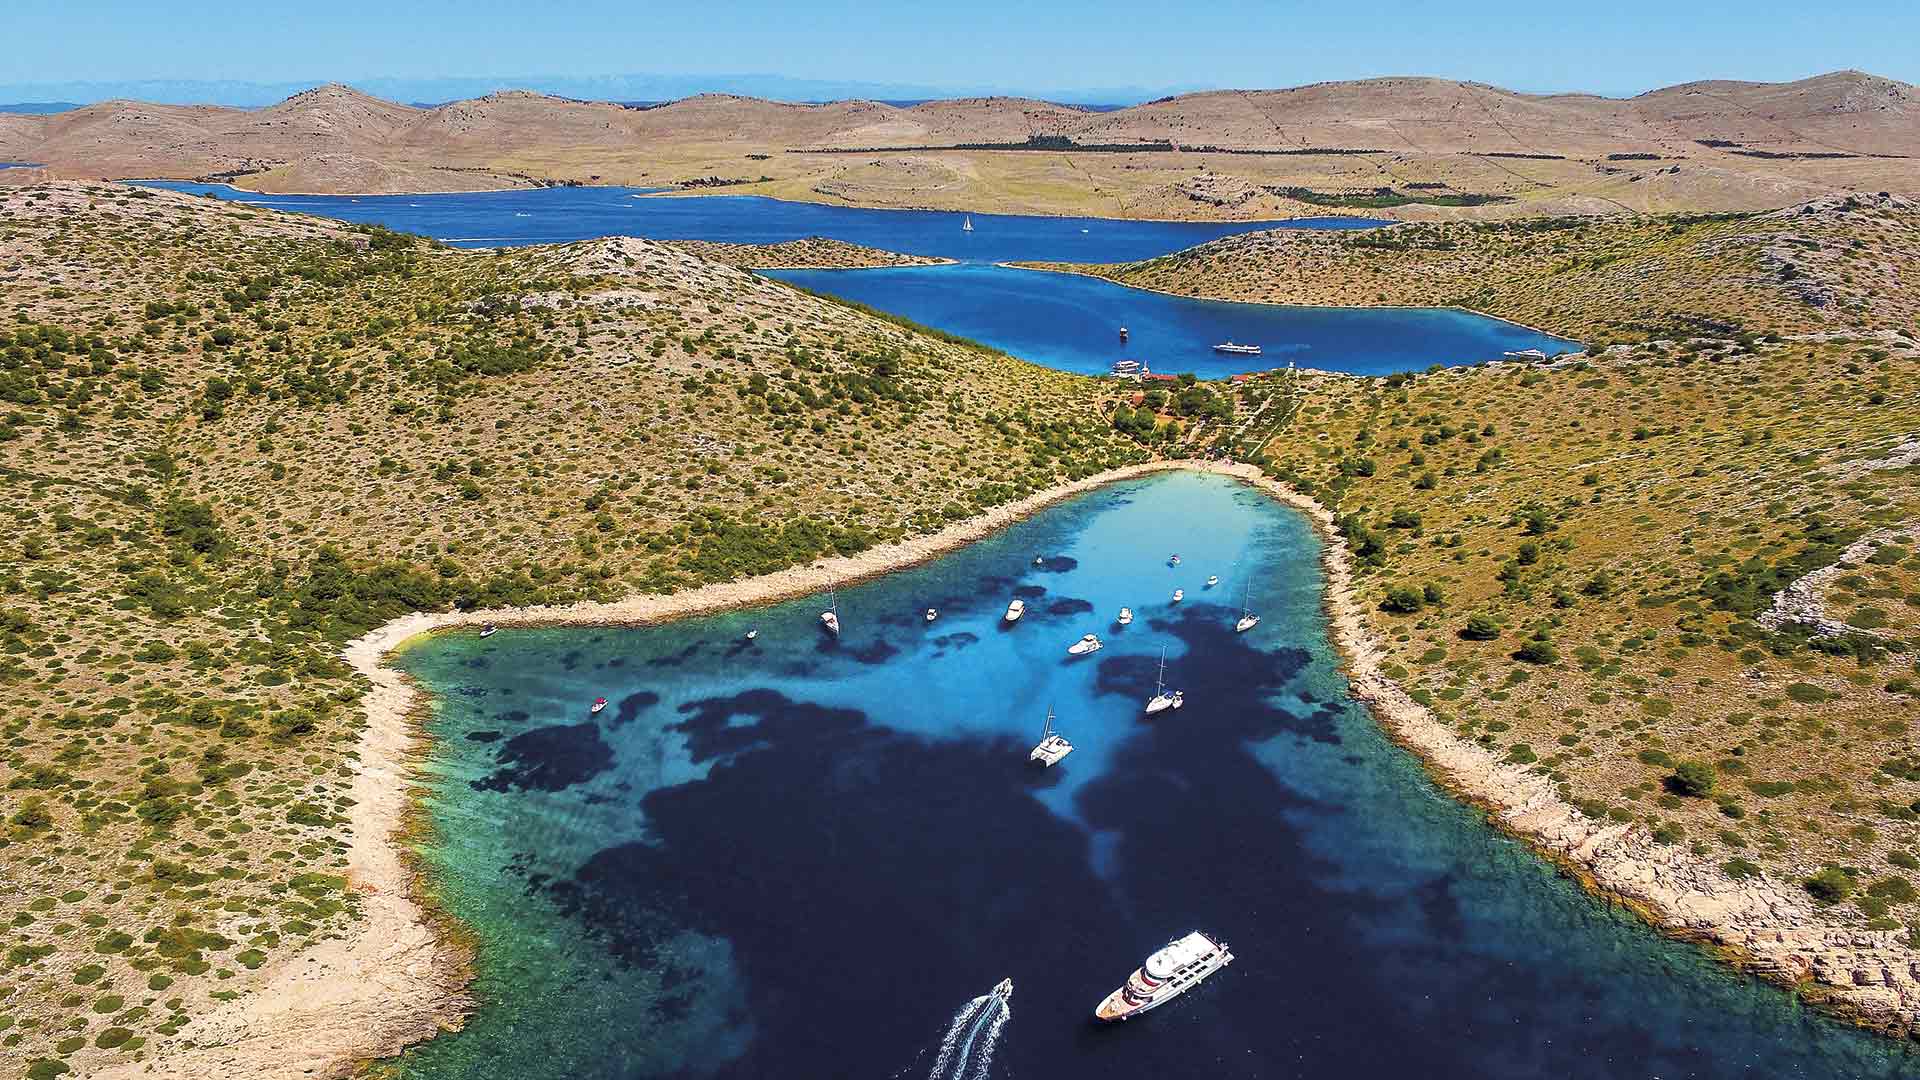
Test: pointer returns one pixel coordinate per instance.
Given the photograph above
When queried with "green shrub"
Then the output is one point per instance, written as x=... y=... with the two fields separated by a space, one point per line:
x=1830 y=886
x=1693 y=779
x=1402 y=600
x=1480 y=628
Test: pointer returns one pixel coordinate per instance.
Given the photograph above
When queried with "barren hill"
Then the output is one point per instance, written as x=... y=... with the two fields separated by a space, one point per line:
x=1402 y=147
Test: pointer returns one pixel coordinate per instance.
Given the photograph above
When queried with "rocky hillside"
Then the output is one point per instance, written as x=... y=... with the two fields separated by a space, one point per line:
x=1665 y=591
x=1836 y=264
x=230 y=439
x=1405 y=147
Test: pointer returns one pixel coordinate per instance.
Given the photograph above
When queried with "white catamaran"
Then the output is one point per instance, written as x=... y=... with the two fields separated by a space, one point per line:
x=1052 y=746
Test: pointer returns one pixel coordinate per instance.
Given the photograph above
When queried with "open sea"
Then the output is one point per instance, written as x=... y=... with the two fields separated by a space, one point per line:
x=805 y=857
x=1061 y=321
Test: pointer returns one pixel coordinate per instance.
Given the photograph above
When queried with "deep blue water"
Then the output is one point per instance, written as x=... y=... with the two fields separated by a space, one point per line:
x=1071 y=321
x=800 y=857
x=1061 y=321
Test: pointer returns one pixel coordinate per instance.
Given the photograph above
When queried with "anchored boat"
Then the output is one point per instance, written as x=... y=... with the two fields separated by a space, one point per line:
x=830 y=618
x=1016 y=609
x=1248 y=620
x=1091 y=643
x=1162 y=700
x=1237 y=350
x=1126 y=616
x=1052 y=746
x=1173 y=970
x=598 y=704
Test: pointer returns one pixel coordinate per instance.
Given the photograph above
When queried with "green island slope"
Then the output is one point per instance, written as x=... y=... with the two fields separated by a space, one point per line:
x=1676 y=578
x=232 y=439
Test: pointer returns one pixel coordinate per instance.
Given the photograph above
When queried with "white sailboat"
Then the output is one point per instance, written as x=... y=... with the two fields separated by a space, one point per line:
x=967 y=225
x=1161 y=699
x=1091 y=643
x=1248 y=620
x=1052 y=746
x=830 y=618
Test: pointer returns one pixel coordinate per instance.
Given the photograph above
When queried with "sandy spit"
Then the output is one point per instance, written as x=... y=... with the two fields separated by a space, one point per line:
x=390 y=981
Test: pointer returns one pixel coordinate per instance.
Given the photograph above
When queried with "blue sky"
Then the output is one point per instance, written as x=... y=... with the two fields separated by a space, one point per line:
x=1617 y=47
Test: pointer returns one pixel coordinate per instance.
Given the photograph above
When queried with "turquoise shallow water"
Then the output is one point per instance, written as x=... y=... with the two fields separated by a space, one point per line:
x=801 y=857
x=1061 y=321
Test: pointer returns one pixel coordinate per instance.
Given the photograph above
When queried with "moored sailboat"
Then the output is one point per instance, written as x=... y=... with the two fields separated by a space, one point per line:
x=1162 y=699
x=1248 y=620
x=830 y=618
x=1052 y=746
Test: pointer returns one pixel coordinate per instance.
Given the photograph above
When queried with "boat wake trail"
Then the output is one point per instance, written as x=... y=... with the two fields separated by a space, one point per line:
x=966 y=1053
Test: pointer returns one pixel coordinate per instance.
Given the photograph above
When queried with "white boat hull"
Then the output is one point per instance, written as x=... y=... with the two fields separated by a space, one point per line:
x=1116 y=1007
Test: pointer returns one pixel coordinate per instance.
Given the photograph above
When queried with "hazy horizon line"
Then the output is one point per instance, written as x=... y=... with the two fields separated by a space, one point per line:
x=245 y=93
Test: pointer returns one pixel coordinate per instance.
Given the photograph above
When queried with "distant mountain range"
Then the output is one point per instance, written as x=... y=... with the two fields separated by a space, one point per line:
x=1222 y=153
x=649 y=88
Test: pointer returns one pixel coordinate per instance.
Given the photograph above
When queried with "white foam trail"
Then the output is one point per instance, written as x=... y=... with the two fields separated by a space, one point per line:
x=962 y=1022
x=983 y=1046
x=966 y=1052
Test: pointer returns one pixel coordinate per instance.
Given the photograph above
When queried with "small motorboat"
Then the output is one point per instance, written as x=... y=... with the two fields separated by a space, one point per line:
x=1174 y=559
x=1179 y=595
x=598 y=704
x=489 y=630
x=1212 y=580
x=932 y=614
x=1091 y=643
x=751 y=634
x=1126 y=616
x=1039 y=561
x=1016 y=609
x=1123 y=333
